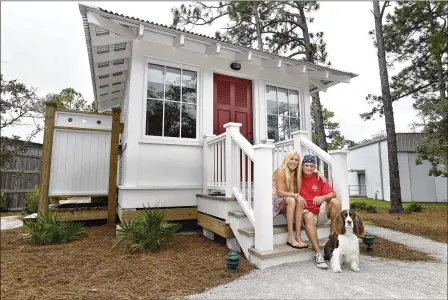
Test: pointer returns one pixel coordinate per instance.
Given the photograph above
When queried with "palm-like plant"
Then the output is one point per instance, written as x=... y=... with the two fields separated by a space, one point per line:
x=148 y=232
x=47 y=230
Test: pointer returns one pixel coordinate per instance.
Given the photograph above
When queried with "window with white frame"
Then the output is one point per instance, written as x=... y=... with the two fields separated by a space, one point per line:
x=283 y=112
x=171 y=102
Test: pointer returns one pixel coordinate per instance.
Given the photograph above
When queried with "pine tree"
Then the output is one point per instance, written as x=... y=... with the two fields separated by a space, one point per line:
x=386 y=98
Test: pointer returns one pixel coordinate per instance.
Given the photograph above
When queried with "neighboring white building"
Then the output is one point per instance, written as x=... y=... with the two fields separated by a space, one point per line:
x=368 y=169
x=200 y=116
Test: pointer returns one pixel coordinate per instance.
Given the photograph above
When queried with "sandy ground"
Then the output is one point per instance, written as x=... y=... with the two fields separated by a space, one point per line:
x=378 y=279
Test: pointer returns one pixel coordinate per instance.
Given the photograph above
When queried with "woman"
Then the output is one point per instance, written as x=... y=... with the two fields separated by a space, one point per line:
x=286 y=182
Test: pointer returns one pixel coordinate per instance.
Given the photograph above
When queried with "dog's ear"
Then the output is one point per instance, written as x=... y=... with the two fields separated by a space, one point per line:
x=358 y=228
x=340 y=226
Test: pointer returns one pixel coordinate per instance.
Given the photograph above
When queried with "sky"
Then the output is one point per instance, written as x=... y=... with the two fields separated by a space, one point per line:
x=43 y=46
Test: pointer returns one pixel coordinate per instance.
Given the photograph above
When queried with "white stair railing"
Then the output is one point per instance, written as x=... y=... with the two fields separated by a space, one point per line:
x=233 y=165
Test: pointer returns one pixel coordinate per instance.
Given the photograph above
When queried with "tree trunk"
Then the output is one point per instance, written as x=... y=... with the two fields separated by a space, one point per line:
x=315 y=105
x=257 y=26
x=394 y=174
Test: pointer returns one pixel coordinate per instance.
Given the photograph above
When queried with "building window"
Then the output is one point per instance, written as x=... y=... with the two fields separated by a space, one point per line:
x=171 y=102
x=283 y=112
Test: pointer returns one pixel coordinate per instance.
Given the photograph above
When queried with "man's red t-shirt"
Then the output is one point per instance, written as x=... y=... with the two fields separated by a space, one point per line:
x=312 y=187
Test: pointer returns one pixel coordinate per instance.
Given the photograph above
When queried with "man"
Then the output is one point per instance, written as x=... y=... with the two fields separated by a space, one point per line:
x=319 y=205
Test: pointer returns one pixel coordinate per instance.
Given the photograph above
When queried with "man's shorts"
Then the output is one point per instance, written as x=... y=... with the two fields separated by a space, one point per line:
x=321 y=218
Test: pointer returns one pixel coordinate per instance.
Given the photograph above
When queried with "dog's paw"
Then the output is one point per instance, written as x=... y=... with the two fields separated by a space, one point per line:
x=355 y=269
x=337 y=270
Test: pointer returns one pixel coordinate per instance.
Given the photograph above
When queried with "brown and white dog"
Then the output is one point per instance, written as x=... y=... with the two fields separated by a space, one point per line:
x=343 y=245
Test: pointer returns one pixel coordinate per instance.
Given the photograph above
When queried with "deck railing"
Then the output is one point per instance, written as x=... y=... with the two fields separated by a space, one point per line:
x=230 y=162
x=239 y=169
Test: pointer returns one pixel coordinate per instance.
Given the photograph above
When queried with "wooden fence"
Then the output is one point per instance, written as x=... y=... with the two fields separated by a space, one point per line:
x=20 y=175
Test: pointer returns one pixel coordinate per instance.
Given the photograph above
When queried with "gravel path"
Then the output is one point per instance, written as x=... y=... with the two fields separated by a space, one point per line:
x=436 y=249
x=378 y=279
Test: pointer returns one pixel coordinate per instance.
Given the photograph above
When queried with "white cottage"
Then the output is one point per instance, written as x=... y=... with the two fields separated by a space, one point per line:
x=202 y=116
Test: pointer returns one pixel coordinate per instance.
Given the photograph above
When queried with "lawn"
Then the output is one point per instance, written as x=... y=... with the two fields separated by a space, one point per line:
x=432 y=223
x=91 y=269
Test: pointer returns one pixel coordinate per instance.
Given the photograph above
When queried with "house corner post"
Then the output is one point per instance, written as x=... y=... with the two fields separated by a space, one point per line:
x=112 y=197
x=264 y=231
x=231 y=157
x=44 y=184
x=339 y=174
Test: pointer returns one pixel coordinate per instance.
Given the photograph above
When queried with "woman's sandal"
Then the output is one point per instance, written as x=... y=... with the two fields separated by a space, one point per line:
x=298 y=247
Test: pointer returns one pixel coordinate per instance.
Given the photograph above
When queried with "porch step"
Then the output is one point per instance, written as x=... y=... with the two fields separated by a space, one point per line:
x=277 y=229
x=281 y=254
x=220 y=198
x=284 y=249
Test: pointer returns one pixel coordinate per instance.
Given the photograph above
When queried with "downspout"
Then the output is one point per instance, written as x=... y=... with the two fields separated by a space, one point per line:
x=381 y=169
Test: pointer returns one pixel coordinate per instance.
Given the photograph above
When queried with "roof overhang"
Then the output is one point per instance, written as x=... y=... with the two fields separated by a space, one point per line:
x=109 y=39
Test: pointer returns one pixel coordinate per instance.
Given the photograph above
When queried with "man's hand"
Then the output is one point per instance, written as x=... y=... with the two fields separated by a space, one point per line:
x=301 y=201
x=318 y=200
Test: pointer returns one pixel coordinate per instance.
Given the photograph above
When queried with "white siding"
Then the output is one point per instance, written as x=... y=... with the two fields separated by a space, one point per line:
x=80 y=163
x=152 y=165
x=385 y=170
x=405 y=181
x=366 y=158
x=423 y=187
x=441 y=189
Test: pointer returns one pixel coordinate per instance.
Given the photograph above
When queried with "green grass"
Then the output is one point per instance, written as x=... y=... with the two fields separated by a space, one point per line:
x=381 y=204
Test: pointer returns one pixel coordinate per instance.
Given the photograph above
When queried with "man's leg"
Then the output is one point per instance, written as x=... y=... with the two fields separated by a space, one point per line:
x=299 y=218
x=290 y=210
x=333 y=208
x=311 y=230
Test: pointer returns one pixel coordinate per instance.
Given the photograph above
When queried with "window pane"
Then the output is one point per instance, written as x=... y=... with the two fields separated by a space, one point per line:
x=188 y=121
x=272 y=128
x=189 y=86
x=282 y=102
x=295 y=124
x=294 y=103
x=155 y=81
x=283 y=128
x=172 y=119
x=154 y=117
x=172 y=84
x=271 y=99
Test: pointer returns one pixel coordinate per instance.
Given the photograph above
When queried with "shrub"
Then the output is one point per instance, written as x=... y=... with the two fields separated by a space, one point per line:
x=358 y=206
x=148 y=232
x=47 y=230
x=414 y=207
x=31 y=201
x=371 y=209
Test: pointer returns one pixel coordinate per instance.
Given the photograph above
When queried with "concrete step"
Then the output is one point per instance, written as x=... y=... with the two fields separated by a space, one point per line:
x=250 y=231
x=282 y=254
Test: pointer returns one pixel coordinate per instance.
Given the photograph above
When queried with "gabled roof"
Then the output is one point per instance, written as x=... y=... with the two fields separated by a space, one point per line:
x=109 y=89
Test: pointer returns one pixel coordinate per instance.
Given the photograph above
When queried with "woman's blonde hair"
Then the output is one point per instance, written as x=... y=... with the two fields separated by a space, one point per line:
x=297 y=174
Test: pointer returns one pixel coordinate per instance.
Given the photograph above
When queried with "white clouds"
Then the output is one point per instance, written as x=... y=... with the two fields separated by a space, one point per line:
x=44 y=46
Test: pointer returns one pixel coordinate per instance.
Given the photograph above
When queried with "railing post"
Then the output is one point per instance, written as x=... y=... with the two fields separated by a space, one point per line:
x=206 y=157
x=231 y=157
x=297 y=136
x=264 y=234
x=340 y=176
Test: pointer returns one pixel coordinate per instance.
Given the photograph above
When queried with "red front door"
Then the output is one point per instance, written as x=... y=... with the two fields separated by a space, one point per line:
x=232 y=101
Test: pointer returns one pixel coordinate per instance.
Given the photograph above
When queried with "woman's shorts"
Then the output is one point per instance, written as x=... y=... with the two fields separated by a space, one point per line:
x=278 y=204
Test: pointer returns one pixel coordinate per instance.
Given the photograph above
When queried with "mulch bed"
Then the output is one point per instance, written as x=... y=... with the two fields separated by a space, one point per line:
x=432 y=223
x=390 y=250
x=91 y=269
